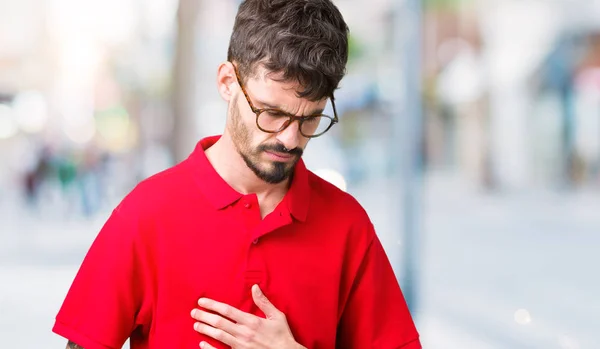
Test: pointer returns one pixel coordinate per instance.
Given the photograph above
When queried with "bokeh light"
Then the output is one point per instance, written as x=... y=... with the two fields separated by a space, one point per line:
x=333 y=177
x=31 y=111
x=8 y=124
x=522 y=317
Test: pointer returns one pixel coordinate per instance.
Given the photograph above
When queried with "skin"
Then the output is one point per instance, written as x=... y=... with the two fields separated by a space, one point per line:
x=242 y=141
x=244 y=331
x=248 y=160
x=252 y=161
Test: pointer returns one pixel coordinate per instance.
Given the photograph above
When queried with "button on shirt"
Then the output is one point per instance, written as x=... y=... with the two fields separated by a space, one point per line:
x=185 y=233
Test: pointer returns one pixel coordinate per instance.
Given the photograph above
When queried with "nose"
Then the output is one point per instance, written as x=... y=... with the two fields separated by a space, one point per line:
x=291 y=137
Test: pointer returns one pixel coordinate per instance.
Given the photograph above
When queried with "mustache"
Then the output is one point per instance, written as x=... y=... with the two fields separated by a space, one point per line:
x=279 y=148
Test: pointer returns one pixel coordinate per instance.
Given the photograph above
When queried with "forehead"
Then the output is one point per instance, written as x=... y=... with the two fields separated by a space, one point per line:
x=270 y=87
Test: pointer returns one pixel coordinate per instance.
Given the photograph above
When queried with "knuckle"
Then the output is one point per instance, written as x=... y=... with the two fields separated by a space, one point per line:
x=247 y=339
x=246 y=336
x=218 y=334
x=255 y=323
x=251 y=337
x=200 y=315
x=219 y=322
x=200 y=327
x=226 y=311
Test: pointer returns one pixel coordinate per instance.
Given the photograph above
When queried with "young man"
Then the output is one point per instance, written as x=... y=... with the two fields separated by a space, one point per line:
x=240 y=246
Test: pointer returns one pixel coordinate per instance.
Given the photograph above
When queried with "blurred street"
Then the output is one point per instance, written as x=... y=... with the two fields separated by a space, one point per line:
x=497 y=271
x=476 y=122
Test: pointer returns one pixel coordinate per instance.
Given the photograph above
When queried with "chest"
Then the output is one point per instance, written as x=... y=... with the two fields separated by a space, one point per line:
x=222 y=257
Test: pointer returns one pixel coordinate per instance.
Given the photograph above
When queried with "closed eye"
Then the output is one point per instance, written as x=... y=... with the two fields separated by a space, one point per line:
x=277 y=113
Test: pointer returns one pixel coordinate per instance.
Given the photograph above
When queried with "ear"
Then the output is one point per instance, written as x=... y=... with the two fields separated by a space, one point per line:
x=226 y=80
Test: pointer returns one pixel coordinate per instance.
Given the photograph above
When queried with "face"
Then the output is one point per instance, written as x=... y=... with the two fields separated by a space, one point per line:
x=271 y=156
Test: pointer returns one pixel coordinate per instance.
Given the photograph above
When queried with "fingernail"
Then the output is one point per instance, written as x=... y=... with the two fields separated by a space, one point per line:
x=257 y=288
x=202 y=344
x=196 y=326
x=193 y=312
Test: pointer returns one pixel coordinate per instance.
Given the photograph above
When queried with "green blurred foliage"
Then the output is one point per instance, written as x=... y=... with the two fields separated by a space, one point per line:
x=445 y=4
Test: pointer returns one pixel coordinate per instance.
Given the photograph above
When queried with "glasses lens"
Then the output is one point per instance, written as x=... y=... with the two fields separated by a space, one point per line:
x=272 y=120
x=275 y=120
x=316 y=125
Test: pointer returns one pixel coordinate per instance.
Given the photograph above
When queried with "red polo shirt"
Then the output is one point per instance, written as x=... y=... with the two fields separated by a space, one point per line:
x=185 y=233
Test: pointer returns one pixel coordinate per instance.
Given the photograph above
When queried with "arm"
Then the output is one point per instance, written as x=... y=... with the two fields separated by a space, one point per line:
x=72 y=345
x=105 y=301
x=375 y=314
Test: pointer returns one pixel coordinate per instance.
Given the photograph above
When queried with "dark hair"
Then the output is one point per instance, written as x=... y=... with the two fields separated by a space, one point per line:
x=305 y=40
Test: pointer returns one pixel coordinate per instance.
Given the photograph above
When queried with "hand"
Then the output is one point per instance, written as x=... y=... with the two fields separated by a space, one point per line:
x=242 y=330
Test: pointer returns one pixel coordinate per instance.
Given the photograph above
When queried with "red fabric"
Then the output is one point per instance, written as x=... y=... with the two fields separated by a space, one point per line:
x=184 y=234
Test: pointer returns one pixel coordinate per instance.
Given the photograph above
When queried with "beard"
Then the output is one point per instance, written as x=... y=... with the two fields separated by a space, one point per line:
x=273 y=172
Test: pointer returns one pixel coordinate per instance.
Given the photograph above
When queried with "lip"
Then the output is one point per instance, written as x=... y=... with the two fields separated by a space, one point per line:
x=279 y=156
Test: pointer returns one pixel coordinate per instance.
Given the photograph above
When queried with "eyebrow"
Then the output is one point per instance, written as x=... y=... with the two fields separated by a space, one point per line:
x=269 y=106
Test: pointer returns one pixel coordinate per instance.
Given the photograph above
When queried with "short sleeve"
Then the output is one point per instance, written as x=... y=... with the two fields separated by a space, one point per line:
x=103 y=305
x=376 y=315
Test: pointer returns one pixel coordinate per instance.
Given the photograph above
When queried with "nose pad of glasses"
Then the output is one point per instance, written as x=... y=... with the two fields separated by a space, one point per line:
x=285 y=124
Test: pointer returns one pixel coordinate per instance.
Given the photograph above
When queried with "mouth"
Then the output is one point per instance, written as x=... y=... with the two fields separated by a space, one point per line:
x=281 y=157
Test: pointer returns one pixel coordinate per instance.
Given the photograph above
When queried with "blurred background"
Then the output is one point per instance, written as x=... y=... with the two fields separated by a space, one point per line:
x=470 y=131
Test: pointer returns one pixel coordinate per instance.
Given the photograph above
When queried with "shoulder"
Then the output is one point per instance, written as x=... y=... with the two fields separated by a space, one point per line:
x=158 y=191
x=325 y=193
x=341 y=207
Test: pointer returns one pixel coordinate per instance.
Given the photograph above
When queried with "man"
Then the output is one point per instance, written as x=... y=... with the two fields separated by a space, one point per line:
x=240 y=246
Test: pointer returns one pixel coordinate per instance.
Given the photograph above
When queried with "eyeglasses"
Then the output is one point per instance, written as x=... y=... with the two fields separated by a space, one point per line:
x=272 y=120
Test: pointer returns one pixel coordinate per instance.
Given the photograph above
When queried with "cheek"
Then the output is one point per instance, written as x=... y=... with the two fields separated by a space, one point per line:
x=304 y=143
x=240 y=125
x=249 y=135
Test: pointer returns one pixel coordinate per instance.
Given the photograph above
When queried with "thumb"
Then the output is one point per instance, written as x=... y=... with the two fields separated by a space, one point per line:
x=264 y=304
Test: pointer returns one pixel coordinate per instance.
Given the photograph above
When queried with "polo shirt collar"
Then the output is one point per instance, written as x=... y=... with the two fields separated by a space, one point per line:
x=298 y=196
x=215 y=189
x=221 y=194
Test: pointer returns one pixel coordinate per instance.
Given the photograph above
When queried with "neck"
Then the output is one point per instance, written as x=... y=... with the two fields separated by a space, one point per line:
x=230 y=165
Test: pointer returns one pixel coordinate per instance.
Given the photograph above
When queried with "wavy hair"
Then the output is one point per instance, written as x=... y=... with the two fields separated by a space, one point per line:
x=304 y=40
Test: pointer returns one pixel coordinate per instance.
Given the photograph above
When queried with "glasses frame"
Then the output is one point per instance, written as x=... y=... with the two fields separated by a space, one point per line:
x=291 y=117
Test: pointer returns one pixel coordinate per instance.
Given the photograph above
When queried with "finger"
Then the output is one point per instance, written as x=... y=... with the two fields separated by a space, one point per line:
x=226 y=310
x=205 y=345
x=263 y=303
x=216 y=321
x=215 y=333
